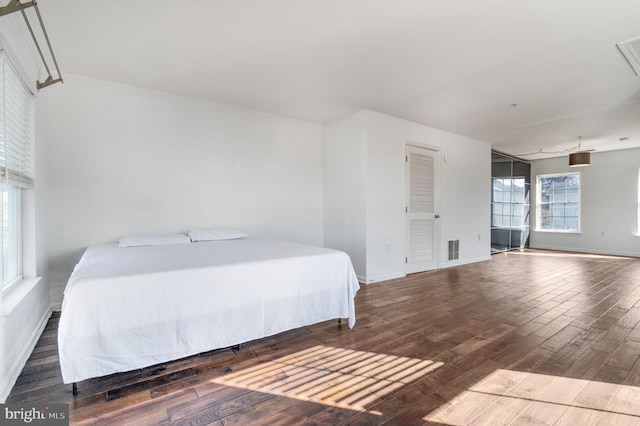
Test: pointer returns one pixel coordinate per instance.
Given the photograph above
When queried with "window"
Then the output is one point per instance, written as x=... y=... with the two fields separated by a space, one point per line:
x=509 y=203
x=559 y=202
x=16 y=165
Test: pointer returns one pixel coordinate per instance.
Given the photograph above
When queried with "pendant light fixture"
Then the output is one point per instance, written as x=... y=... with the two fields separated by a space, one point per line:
x=580 y=158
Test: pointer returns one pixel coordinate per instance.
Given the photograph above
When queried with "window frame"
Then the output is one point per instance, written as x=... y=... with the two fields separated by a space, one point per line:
x=14 y=237
x=540 y=203
x=510 y=204
x=15 y=176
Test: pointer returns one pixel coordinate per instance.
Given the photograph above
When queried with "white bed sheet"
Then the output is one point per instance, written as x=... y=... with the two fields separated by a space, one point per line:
x=128 y=308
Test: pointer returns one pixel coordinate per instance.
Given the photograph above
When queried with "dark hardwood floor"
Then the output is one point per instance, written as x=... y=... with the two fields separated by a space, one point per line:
x=529 y=337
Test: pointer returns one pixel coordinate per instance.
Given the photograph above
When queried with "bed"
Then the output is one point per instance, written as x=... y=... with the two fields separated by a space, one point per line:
x=129 y=308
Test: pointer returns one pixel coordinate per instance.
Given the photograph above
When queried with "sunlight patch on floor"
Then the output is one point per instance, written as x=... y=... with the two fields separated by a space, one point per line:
x=332 y=376
x=521 y=398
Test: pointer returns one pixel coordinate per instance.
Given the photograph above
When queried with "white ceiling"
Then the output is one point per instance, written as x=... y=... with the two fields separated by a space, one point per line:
x=457 y=65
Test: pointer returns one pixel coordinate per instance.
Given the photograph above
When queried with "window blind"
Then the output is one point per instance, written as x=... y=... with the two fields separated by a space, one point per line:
x=16 y=127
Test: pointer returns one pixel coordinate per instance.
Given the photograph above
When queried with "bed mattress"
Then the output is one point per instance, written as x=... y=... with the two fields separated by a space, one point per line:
x=128 y=308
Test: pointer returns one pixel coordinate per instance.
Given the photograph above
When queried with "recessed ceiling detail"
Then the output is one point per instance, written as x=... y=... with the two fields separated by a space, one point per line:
x=631 y=51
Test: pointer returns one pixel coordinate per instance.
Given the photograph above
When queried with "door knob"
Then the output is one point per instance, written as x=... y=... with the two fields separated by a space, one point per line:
x=437 y=216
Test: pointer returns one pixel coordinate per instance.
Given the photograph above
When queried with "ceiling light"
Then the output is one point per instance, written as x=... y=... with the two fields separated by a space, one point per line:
x=580 y=158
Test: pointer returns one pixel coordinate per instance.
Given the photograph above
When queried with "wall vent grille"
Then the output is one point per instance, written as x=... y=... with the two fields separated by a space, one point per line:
x=454 y=249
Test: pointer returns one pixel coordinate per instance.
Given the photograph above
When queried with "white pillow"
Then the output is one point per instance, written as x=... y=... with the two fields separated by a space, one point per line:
x=215 y=234
x=152 y=240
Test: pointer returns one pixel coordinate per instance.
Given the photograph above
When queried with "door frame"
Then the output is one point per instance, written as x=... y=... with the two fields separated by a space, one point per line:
x=437 y=188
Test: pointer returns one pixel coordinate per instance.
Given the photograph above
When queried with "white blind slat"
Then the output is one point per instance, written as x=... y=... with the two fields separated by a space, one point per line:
x=16 y=128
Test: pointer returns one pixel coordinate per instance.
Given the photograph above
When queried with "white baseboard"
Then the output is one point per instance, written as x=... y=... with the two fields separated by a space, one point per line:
x=7 y=382
x=383 y=277
x=451 y=263
x=394 y=275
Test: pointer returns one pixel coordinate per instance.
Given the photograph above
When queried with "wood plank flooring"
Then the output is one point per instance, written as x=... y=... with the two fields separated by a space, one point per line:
x=529 y=337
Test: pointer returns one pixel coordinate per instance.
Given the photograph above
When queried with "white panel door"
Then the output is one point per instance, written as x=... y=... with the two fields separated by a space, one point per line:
x=421 y=177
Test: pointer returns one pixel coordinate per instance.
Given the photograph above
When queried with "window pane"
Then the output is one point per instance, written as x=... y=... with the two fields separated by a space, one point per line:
x=544 y=216
x=10 y=233
x=572 y=223
x=497 y=217
x=559 y=196
x=504 y=190
x=573 y=195
x=498 y=190
x=558 y=183
x=572 y=181
x=557 y=210
x=557 y=223
x=571 y=210
x=559 y=202
x=517 y=191
x=517 y=211
x=545 y=190
x=510 y=198
x=495 y=190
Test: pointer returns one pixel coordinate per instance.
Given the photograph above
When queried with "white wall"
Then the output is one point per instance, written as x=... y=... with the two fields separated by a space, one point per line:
x=127 y=160
x=385 y=198
x=609 y=204
x=345 y=177
x=465 y=192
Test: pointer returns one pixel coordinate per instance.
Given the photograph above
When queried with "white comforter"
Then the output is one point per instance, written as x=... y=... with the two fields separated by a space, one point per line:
x=128 y=308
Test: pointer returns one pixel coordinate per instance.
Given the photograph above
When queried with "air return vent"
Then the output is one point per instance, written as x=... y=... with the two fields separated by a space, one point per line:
x=454 y=249
x=631 y=51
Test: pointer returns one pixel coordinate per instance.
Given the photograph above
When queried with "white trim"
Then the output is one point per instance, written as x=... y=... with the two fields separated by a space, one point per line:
x=422 y=145
x=11 y=284
x=15 y=293
x=393 y=276
x=437 y=235
x=10 y=379
x=539 y=203
x=459 y=262
x=557 y=231
x=378 y=278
